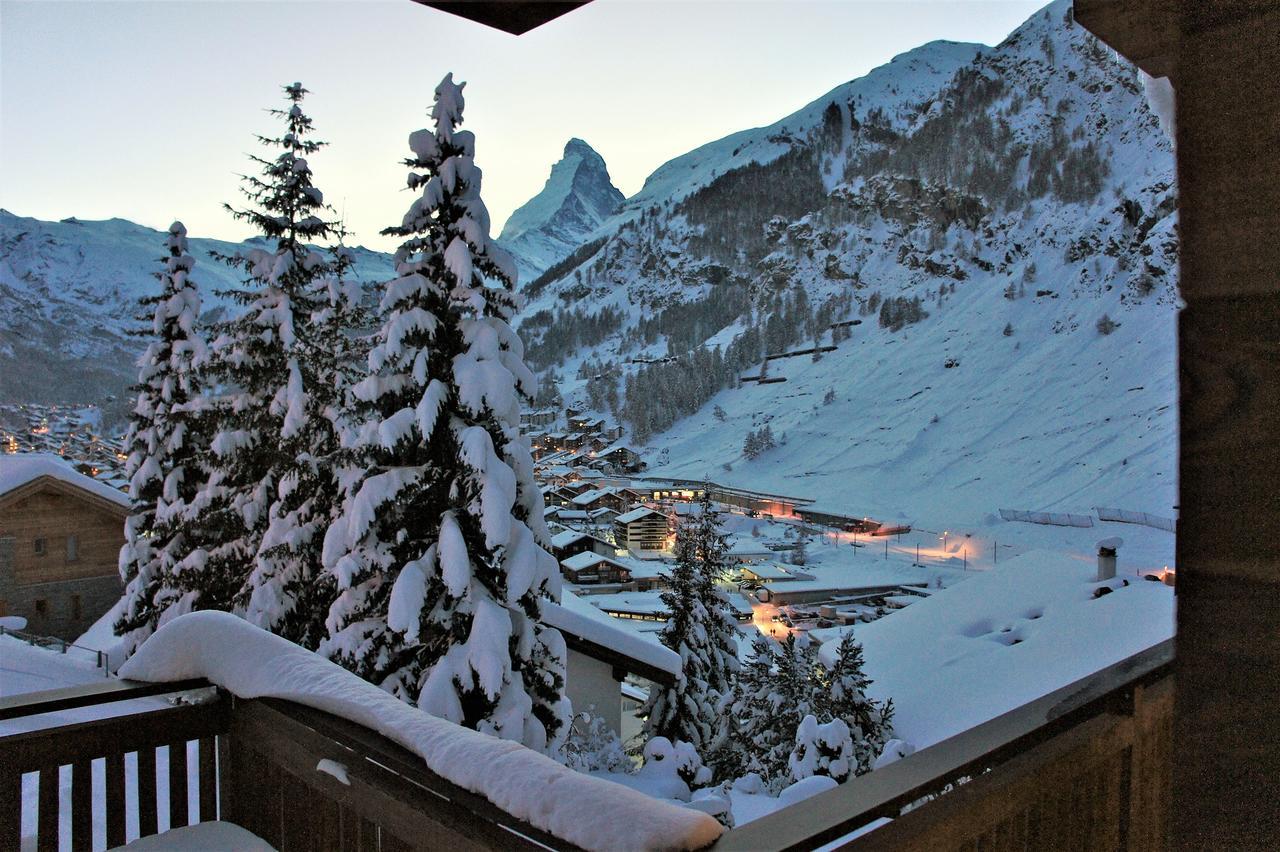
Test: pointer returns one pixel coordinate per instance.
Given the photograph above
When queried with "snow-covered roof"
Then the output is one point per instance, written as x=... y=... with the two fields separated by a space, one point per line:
x=769 y=571
x=981 y=648
x=579 y=808
x=615 y=448
x=646 y=603
x=568 y=537
x=587 y=497
x=574 y=615
x=582 y=561
x=636 y=514
x=739 y=546
x=20 y=469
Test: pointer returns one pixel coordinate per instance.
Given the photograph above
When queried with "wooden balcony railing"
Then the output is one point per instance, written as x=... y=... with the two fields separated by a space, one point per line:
x=1086 y=767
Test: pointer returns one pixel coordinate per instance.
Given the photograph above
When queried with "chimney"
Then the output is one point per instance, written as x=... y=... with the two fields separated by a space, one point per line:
x=1107 y=558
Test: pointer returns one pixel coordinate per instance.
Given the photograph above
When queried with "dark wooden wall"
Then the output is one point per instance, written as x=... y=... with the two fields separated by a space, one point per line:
x=1227 y=765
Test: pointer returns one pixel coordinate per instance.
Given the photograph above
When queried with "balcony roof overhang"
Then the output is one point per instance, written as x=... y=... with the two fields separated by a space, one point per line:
x=513 y=16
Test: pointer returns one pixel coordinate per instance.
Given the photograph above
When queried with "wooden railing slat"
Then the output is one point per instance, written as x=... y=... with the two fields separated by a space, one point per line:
x=178 y=807
x=147 y=805
x=295 y=814
x=115 y=800
x=10 y=808
x=82 y=805
x=326 y=824
x=208 y=779
x=47 y=809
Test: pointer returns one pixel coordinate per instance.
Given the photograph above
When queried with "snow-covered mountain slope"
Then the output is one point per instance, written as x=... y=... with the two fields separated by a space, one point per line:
x=69 y=296
x=996 y=229
x=577 y=198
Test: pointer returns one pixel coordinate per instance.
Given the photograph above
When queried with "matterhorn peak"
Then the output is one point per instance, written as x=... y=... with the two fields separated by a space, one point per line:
x=576 y=199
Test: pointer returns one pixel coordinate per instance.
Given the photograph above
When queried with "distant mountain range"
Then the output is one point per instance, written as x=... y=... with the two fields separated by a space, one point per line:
x=69 y=290
x=992 y=229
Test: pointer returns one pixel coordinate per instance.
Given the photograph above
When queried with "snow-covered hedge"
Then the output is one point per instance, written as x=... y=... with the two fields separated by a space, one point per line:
x=251 y=663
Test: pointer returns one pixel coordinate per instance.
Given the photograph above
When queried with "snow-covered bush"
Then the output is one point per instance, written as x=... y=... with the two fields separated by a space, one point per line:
x=673 y=770
x=593 y=746
x=822 y=750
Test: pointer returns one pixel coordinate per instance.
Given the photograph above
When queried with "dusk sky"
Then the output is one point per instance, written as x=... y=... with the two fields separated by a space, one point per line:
x=145 y=110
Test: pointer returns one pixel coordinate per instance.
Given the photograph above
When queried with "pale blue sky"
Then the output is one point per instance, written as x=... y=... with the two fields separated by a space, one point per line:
x=145 y=110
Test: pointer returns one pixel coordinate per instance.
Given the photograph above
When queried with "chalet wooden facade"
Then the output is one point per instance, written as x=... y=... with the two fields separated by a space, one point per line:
x=572 y=542
x=594 y=569
x=60 y=539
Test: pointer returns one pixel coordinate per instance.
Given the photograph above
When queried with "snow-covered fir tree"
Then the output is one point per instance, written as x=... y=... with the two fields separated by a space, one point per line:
x=289 y=592
x=781 y=684
x=701 y=630
x=440 y=556
x=262 y=377
x=775 y=693
x=164 y=450
x=844 y=686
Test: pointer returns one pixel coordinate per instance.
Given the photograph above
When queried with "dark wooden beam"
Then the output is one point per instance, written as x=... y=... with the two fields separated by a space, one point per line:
x=1144 y=31
x=512 y=16
x=1222 y=58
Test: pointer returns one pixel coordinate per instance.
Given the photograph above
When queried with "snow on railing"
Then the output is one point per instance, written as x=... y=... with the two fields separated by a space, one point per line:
x=583 y=810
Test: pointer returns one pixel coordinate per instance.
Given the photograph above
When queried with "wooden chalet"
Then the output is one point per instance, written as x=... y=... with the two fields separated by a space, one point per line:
x=572 y=542
x=60 y=539
x=594 y=569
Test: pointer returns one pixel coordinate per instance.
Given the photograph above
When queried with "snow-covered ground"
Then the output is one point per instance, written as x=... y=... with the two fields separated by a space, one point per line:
x=1003 y=638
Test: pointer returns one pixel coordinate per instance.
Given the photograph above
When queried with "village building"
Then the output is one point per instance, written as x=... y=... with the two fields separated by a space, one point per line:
x=537 y=419
x=641 y=529
x=621 y=458
x=766 y=572
x=593 y=569
x=60 y=538
x=745 y=550
x=572 y=542
x=601 y=498
x=604 y=517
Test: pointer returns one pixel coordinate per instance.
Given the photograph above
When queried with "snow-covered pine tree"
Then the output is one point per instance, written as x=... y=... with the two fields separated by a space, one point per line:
x=440 y=555
x=289 y=591
x=712 y=554
x=841 y=694
x=775 y=693
x=701 y=630
x=164 y=450
x=259 y=370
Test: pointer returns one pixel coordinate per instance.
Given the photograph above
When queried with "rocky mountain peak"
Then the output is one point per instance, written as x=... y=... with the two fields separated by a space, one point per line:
x=577 y=198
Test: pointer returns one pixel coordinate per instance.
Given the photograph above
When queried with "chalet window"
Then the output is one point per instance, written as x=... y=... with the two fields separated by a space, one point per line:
x=41 y=546
x=77 y=611
x=73 y=549
x=42 y=606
